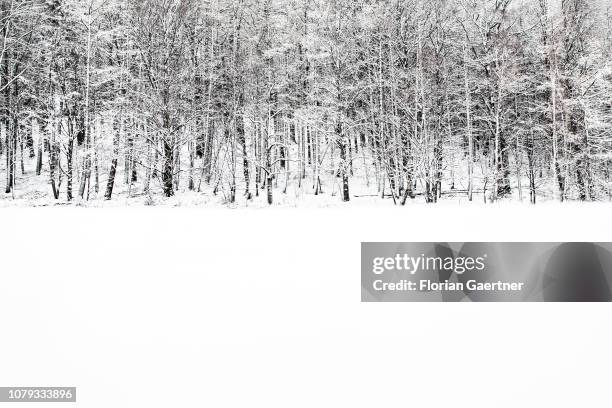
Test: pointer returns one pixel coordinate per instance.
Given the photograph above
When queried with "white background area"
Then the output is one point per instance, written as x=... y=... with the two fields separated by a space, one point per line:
x=153 y=307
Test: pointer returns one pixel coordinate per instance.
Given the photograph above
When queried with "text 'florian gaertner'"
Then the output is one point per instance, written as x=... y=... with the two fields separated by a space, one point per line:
x=406 y=264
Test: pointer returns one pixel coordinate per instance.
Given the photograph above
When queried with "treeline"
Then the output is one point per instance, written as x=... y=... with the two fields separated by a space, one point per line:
x=507 y=98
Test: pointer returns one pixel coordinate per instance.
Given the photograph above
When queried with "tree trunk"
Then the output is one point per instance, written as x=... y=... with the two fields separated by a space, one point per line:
x=113 y=168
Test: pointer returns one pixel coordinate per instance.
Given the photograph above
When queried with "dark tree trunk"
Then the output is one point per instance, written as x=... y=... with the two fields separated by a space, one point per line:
x=192 y=154
x=245 y=157
x=208 y=152
x=531 y=169
x=69 y=157
x=167 y=173
x=30 y=143
x=11 y=147
x=503 y=169
x=53 y=164
x=113 y=169
x=39 y=159
x=269 y=176
x=343 y=164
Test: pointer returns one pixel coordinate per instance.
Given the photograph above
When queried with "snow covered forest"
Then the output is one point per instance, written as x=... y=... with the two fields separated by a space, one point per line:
x=260 y=102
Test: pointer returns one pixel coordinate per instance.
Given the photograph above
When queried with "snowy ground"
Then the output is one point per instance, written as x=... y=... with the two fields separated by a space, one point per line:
x=35 y=191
